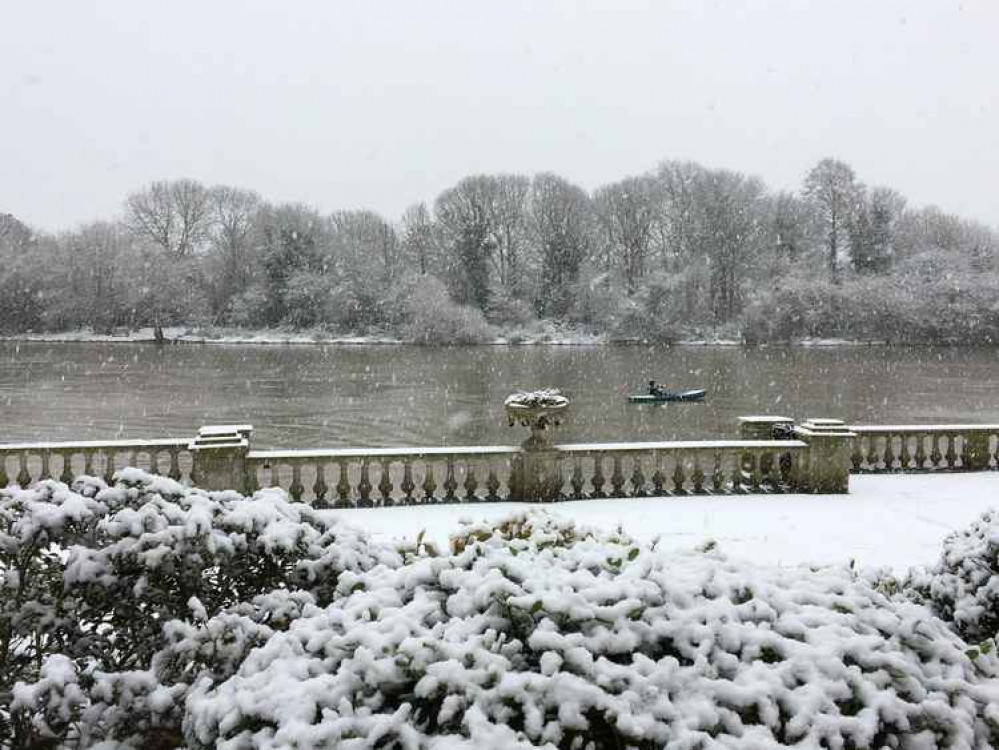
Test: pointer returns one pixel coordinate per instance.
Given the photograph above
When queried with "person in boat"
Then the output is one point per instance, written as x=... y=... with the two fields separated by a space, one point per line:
x=654 y=390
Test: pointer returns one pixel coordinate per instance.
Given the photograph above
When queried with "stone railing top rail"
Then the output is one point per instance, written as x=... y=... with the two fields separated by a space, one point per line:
x=673 y=445
x=349 y=453
x=87 y=445
x=485 y=451
x=870 y=428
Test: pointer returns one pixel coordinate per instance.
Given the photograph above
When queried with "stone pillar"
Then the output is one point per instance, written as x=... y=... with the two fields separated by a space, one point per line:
x=977 y=453
x=219 y=457
x=825 y=466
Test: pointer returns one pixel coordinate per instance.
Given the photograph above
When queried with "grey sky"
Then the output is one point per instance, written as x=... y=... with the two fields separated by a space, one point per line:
x=380 y=104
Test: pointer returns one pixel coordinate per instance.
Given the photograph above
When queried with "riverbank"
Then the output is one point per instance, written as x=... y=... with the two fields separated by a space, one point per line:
x=188 y=335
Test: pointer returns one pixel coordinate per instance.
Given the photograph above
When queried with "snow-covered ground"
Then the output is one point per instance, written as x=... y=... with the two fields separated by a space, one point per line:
x=892 y=520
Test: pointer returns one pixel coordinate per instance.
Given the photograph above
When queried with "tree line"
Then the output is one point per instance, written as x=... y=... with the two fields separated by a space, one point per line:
x=680 y=251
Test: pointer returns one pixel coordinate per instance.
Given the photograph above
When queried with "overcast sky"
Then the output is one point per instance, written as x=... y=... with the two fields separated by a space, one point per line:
x=381 y=104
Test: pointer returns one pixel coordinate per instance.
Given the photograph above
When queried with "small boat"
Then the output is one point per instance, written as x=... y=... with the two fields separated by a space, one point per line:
x=696 y=394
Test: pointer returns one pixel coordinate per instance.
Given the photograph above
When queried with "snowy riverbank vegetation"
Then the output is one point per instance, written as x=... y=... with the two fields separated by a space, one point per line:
x=681 y=252
x=150 y=615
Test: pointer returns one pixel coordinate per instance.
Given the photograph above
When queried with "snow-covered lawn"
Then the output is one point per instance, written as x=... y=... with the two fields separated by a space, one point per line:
x=895 y=520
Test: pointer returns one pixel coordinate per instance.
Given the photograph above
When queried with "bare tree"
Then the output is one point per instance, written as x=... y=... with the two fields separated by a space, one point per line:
x=418 y=237
x=677 y=228
x=628 y=212
x=174 y=215
x=562 y=221
x=232 y=242
x=730 y=229
x=833 y=188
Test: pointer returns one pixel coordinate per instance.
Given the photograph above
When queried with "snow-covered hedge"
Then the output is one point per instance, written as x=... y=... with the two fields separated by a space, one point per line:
x=115 y=599
x=963 y=587
x=150 y=615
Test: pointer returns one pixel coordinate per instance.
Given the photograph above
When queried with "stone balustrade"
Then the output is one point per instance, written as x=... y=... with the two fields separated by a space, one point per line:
x=896 y=448
x=26 y=463
x=816 y=455
x=410 y=476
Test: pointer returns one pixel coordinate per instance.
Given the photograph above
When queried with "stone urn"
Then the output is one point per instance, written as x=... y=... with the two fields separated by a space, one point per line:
x=541 y=410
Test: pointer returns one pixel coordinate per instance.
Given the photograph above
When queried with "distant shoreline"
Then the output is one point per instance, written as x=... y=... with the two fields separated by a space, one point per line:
x=185 y=335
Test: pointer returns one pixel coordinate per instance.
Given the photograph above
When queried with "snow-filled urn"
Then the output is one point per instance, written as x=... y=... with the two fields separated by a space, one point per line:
x=540 y=410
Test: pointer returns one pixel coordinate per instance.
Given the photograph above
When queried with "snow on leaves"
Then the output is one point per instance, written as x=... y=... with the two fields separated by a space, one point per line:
x=152 y=615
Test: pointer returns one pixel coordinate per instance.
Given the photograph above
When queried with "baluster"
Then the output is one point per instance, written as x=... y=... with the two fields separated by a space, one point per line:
x=429 y=485
x=493 y=485
x=343 y=486
x=109 y=457
x=471 y=484
x=598 y=480
x=320 y=488
x=174 y=464
x=995 y=453
x=906 y=456
x=45 y=466
x=678 y=475
x=965 y=452
x=577 y=478
x=658 y=477
x=385 y=484
x=296 y=488
x=738 y=480
x=889 y=457
x=407 y=485
x=786 y=475
x=697 y=477
x=717 y=476
x=951 y=454
x=131 y=459
x=857 y=457
x=364 y=487
x=935 y=456
x=450 y=485
x=637 y=478
x=617 y=477
x=754 y=471
x=872 y=453
x=4 y=479
x=23 y=477
x=920 y=451
x=66 y=477
x=88 y=462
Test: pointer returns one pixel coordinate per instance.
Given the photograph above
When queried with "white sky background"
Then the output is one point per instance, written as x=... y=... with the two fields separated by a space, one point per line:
x=381 y=104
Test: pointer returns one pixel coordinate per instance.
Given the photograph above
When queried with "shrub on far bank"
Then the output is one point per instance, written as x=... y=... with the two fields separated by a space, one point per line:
x=433 y=318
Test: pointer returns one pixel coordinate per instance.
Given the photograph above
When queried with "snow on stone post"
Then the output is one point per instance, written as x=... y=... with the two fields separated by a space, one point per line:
x=533 y=476
x=825 y=467
x=219 y=457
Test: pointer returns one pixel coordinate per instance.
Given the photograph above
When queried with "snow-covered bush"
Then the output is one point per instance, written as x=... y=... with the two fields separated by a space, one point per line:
x=150 y=615
x=144 y=587
x=532 y=636
x=963 y=587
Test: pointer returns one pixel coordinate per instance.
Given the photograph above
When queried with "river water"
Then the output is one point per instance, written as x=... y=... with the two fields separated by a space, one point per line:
x=313 y=396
